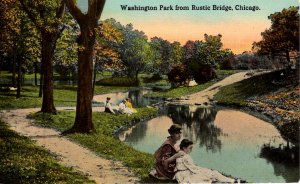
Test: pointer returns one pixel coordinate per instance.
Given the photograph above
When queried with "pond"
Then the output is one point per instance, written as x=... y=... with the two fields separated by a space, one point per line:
x=232 y=142
x=136 y=96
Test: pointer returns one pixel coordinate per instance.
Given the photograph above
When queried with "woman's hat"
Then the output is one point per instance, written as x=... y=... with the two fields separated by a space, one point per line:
x=175 y=128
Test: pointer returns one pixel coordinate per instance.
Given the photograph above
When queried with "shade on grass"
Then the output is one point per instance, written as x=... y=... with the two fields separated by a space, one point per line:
x=23 y=162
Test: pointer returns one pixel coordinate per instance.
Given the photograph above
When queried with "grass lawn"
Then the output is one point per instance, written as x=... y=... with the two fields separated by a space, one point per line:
x=63 y=96
x=182 y=91
x=238 y=93
x=103 y=142
x=23 y=162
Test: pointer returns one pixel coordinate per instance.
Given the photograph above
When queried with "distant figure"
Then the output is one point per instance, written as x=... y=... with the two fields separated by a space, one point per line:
x=108 y=106
x=129 y=105
x=166 y=155
x=188 y=172
x=123 y=109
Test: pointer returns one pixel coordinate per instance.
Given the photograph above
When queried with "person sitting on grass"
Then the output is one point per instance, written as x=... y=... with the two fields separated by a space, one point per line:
x=129 y=105
x=123 y=109
x=108 y=106
x=167 y=154
x=188 y=172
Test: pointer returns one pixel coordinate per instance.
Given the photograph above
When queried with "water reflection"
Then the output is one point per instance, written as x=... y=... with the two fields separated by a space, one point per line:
x=284 y=159
x=198 y=125
x=136 y=96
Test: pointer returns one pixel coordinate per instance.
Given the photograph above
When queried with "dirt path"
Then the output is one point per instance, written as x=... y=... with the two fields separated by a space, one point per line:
x=71 y=154
x=206 y=95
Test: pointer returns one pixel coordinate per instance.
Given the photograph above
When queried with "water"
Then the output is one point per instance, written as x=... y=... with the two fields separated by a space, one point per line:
x=226 y=140
x=136 y=97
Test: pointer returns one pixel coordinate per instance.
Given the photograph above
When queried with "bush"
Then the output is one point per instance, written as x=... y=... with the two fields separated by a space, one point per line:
x=178 y=75
x=118 y=81
x=204 y=74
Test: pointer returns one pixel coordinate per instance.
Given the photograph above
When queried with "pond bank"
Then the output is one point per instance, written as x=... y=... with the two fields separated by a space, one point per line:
x=272 y=97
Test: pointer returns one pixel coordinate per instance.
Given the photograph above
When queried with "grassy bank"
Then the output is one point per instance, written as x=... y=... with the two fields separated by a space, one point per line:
x=182 y=91
x=274 y=94
x=23 y=162
x=63 y=96
x=103 y=142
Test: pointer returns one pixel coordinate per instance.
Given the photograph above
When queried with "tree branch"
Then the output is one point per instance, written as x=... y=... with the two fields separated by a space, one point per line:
x=99 y=8
x=61 y=10
x=75 y=11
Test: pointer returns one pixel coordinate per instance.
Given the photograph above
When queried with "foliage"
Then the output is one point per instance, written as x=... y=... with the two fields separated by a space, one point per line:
x=178 y=75
x=203 y=73
x=118 y=81
x=103 y=142
x=135 y=52
x=282 y=36
x=23 y=162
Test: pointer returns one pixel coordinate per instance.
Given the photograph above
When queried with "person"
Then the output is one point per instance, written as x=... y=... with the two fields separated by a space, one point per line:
x=129 y=105
x=188 y=172
x=123 y=109
x=166 y=155
x=108 y=107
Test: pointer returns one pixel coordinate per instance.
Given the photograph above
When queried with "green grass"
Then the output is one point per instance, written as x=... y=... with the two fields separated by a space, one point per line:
x=23 y=162
x=182 y=91
x=103 y=141
x=238 y=93
x=63 y=96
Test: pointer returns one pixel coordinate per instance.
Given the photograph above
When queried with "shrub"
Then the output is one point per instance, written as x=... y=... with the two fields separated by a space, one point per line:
x=178 y=75
x=204 y=73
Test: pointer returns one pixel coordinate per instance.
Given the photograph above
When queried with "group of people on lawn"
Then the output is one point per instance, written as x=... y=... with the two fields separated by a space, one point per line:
x=125 y=107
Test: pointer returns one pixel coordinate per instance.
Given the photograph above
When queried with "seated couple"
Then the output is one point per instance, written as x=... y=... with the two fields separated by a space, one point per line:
x=125 y=107
x=173 y=163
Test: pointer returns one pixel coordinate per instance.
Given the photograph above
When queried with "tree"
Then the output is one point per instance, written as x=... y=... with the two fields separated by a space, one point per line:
x=176 y=54
x=46 y=15
x=283 y=35
x=19 y=40
x=86 y=42
x=178 y=75
x=135 y=51
x=162 y=55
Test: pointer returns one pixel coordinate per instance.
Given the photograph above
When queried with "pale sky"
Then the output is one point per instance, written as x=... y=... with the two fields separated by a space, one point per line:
x=239 y=29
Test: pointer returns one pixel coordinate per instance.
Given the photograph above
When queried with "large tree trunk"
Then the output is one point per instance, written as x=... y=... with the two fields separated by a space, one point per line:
x=83 y=120
x=48 y=41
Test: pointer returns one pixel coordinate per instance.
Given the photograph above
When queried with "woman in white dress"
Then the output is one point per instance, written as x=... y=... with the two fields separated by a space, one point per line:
x=188 y=172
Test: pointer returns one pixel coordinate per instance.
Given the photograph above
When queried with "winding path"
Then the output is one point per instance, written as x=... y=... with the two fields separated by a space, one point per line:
x=70 y=154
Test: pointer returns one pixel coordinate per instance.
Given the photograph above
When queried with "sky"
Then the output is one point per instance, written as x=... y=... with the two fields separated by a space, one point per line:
x=239 y=28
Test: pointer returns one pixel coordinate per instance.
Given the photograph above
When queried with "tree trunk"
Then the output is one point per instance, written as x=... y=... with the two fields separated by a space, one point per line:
x=83 y=120
x=48 y=41
x=35 y=73
x=41 y=84
x=13 y=80
x=94 y=79
x=19 y=79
